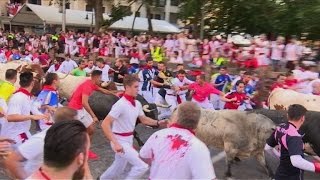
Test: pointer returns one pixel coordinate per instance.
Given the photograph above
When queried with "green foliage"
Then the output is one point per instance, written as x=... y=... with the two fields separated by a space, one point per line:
x=287 y=17
x=117 y=13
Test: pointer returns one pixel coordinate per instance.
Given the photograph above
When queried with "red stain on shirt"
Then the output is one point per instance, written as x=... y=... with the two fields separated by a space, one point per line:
x=177 y=142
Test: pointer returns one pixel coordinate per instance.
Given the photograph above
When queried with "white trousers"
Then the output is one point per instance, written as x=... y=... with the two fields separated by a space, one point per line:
x=204 y=104
x=163 y=112
x=216 y=101
x=148 y=96
x=172 y=100
x=120 y=87
x=131 y=156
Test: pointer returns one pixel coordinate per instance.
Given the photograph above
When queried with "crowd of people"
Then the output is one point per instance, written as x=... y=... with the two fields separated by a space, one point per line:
x=66 y=142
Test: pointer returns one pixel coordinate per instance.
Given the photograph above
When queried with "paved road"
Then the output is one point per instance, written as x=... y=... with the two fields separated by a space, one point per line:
x=248 y=169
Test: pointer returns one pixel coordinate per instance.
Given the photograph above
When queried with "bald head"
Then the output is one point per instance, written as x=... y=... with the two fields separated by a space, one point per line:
x=188 y=115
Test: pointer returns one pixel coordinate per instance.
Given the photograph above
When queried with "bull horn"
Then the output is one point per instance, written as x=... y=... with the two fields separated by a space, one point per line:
x=163 y=105
x=105 y=84
x=146 y=108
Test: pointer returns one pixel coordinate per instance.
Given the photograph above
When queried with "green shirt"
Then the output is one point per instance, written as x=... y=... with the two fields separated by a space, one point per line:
x=78 y=72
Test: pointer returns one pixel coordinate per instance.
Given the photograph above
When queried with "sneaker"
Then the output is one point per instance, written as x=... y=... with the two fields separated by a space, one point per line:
x=92 y=155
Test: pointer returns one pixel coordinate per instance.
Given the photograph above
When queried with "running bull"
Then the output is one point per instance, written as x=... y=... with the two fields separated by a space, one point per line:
x=286 y=97
x=240 y=134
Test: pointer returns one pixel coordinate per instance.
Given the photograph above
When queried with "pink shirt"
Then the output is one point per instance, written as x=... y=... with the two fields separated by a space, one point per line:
x=202 y=92
x=86 y=88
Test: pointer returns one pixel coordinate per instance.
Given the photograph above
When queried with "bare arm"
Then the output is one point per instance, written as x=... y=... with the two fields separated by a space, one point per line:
x=85 y=103
x=148 y=121
x=13 y=163
x=106 y=128
x=20 y=118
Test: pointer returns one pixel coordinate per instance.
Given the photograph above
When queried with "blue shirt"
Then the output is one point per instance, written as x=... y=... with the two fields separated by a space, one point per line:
x=48 y=97
x=222 y=78
x=147 y=75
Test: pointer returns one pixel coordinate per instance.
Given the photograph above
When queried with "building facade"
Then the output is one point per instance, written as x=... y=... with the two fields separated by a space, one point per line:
x=160 y=9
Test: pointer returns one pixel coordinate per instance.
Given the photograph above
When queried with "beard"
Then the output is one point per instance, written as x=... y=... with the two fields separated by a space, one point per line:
x=79 y=174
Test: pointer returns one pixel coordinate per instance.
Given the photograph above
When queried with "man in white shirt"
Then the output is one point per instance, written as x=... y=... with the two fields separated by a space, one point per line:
x=277 y=48
x=119 y=125
x=29 y=156
x=175 y=152
x=102 y=66
x=90 y=67
x=176 y=96
x=292 y=54
x=67 y=65
x=19 y=109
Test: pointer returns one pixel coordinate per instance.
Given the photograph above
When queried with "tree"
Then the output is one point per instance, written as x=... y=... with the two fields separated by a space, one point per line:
x=147 y=4
x=287 y=17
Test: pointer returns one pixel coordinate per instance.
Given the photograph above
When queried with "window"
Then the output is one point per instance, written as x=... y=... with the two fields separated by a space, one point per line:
x=175 y=2
x=38 y=2
x=89 y=8
x=157 y=16
x=173 y=18
x=159 y=3
x=67 y=5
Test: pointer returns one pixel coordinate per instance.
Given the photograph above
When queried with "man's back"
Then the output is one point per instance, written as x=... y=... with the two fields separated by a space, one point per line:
x=177 y=153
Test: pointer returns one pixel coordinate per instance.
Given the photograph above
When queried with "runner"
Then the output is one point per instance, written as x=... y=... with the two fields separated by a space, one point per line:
x=292 y=162
x=118 y=127
x=79 y=71
x=147 y=75
x=67 y=65
x=48 y=99
x=201 y=91
x=178 y=94
x=80 y=101
x=175 y=152
x=120 y=71
x=19 y=110
x=102 y=66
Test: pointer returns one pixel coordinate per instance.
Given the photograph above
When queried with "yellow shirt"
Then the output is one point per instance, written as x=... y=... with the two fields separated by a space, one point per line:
x=6 y=90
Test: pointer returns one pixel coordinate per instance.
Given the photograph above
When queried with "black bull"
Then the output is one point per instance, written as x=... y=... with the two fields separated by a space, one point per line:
x=310 y=128
x=101 y=105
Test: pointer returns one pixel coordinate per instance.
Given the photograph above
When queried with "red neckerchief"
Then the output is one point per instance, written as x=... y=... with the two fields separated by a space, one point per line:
x=316 y=94
x=180 y=127
x=148 y=67
x=56 y=66
x=44 y=175
x=131 y=99
x=49 y=88
x=24 y=91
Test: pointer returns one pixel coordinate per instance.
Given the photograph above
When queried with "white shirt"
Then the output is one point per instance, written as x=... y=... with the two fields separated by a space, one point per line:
x=177 y=60
x=82 y=40
x=88 y=70
x=32 y=151
x=67 y=66
x=19 y=103
x=105 y=73
x=277 y=51
x=177 y=82
x=51 y=69
x=125 y=115
x=301 y=75
x=291 y=52
x=177 y=154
